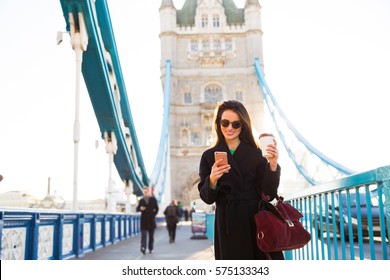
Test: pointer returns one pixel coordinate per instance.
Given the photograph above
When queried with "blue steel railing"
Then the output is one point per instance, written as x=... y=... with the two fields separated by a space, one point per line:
x=348 y=218
x=210 y=220
x=363 y=230
x=55 y=235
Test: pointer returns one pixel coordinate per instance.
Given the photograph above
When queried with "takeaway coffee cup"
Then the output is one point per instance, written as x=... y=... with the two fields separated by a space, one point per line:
x=265 y=140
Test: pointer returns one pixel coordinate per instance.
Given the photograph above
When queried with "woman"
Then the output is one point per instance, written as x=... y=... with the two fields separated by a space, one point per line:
x=236 y=187
x=172 y=218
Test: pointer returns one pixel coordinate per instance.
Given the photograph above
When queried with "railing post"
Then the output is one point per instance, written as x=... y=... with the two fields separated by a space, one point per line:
x=1 y=231
x=288 y=255
x=112 y=229
x=121 y=227
x=104 y=232
x=210 y=220
x=93 y=233
x=60 y=235
x=79 y=237
x=131 y=226
x=33 y=255
x=383 y=176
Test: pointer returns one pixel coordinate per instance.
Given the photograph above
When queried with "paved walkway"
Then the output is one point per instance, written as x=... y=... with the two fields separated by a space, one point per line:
x=184 y=247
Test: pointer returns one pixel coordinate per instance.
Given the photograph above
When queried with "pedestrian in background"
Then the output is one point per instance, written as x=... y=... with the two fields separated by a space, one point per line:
x=186 y=214
x=181 y=210
x=172 y=218
x=148 y=207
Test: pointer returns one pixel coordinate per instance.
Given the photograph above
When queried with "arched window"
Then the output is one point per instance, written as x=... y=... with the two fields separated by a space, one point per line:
x=187 y=98
x=205 y=20
x=205 y=45
x=185 y=136
x=228 y=45
x=216 y=20
x=212 y=93
x=194 y=46
x=217 y=45
x=239 y=95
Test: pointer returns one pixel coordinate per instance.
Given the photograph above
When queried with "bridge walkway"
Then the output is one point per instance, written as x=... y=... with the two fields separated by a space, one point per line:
x=184 y=248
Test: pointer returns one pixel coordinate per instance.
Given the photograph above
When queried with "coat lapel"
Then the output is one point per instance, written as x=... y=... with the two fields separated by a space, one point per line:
x=240 y=155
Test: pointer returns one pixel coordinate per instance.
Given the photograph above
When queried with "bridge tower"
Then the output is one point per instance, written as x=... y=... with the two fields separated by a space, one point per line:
x=212 y=46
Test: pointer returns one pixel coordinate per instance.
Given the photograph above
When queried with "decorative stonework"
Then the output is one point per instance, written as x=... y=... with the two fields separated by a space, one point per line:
x=45 y=242
x=107 y=231
x=87 y=235
x=98 y=232
x=67 y=238
x=185 y=136
x=383 y=173
x=13 y=244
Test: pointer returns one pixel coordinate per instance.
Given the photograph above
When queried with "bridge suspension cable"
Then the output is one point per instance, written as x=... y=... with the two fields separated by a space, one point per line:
x=159 y=174
x=311 y=163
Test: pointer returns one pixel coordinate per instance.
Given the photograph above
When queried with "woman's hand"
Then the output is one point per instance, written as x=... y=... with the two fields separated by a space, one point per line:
x=273 y=150
x=217 y=171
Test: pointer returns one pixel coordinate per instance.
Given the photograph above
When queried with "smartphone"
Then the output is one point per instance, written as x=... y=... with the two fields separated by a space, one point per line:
x=221 y=155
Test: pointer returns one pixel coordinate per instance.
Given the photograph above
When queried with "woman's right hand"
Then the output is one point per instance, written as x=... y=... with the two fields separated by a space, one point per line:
x=217 y=171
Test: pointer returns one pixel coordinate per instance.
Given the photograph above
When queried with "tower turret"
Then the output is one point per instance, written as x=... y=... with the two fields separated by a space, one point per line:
x=167 y=29
x=252 y=13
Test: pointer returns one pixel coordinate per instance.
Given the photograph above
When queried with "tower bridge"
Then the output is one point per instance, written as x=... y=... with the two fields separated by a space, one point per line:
x=210 y=51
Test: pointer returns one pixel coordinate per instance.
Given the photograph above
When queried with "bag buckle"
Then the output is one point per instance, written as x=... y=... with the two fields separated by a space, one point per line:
x=290 y=224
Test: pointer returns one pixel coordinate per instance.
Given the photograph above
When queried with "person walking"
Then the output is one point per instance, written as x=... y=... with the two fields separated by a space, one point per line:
x=172 y=218
x=148 y=207
x=236 y=187
x=186 y=215
x=181 y=213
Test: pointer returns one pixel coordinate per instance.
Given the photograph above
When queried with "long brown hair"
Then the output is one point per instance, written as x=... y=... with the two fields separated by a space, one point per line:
x=246 y=134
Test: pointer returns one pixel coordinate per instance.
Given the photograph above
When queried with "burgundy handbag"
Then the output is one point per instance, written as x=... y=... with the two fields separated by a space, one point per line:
x=278 y=227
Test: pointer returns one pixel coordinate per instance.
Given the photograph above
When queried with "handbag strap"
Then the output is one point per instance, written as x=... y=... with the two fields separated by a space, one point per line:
x=268 y=206
x=267 y=197
x=265 y=204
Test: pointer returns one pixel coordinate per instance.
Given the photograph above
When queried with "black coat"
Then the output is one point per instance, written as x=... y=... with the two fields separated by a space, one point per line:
x=237 y=196
x=148 y=220
x=172 y=220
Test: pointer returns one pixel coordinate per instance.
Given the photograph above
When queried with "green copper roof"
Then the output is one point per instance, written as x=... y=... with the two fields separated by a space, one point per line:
x=233 y=14
x=186 y=16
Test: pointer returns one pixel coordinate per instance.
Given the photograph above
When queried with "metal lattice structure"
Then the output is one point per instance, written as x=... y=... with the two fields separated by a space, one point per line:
x=311 y=163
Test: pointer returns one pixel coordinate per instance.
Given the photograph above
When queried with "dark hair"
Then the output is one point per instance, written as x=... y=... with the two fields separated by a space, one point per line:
x=246 y=134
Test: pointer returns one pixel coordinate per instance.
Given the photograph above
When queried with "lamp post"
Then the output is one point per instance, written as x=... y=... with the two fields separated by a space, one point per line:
x=79 y=41
x=128 y=192
x=111 y=149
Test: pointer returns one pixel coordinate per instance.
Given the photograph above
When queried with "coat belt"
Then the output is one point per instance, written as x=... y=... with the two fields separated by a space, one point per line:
x=232 y=200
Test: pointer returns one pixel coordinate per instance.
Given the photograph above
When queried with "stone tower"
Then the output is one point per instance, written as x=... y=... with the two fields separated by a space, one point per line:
x=212 y=46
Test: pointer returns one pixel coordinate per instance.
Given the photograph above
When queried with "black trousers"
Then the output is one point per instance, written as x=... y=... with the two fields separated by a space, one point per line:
x=171 y=231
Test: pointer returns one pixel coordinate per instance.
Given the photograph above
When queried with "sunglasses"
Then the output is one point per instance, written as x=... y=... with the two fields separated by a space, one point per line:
x=235 y=124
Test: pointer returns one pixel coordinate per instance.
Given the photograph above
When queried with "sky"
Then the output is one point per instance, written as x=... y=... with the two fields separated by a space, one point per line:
x=326 y=63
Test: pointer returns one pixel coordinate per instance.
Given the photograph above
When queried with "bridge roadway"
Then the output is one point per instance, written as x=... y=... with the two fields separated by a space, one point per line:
x=184 y=248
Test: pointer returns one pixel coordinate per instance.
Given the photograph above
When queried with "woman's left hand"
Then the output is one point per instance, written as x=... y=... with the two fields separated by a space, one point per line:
x=273 y=150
